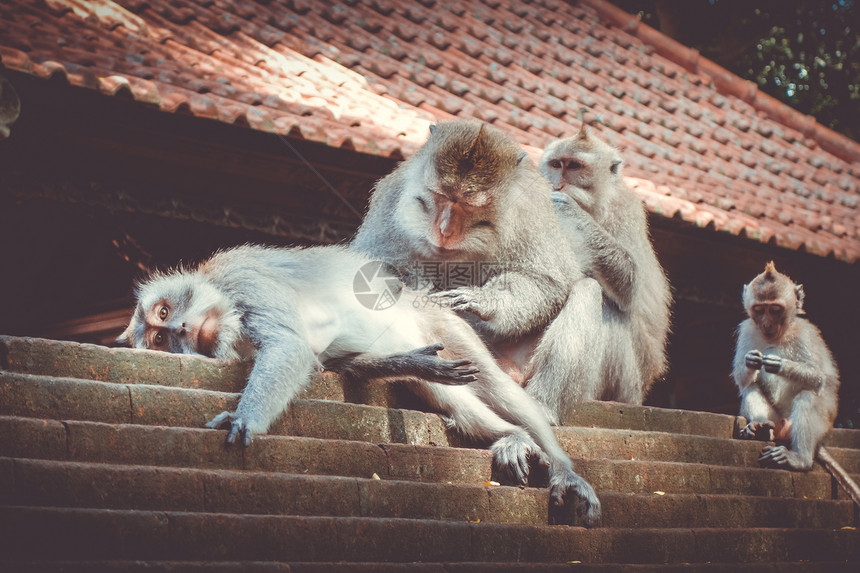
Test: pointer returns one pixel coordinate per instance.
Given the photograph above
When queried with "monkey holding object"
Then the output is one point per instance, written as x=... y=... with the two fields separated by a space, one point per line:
x=607 y=231
x=786 y=375
x=299 y=310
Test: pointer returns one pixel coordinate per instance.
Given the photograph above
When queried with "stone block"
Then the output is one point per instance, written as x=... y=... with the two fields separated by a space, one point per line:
x=38 y=396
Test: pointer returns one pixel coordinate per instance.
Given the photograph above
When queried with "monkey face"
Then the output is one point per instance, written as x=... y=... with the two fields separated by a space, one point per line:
x=583 y=168
x=447 y=222
x=184 y=314
x=772 y=300
x=770 y=318
x=572 y=171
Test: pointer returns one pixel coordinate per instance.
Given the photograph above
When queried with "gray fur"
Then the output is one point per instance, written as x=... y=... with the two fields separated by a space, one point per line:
x=516 y=312
x=606 y=228
x=423 y=363
x=298 y=308
x=536 y=275
x=791 y=375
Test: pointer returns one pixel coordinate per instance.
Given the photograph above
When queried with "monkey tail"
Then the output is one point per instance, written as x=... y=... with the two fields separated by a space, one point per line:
x=839 y=474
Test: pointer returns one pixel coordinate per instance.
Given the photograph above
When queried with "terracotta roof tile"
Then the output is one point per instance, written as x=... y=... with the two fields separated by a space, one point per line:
x=703 y=144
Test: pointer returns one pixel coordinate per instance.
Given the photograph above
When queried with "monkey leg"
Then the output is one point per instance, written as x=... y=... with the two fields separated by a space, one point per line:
x=513 y=449
x=422 y=363
x=572 y=499
x=756 y=408
x=620 y=375
x=566 y=365
x=809 y=424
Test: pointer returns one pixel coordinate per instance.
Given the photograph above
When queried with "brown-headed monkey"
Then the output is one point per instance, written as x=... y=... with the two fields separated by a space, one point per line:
x=471 y=199
x=786 y=375
x=301 y=309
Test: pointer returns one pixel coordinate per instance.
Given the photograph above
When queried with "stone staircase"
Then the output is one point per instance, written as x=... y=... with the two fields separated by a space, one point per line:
x=105 y=465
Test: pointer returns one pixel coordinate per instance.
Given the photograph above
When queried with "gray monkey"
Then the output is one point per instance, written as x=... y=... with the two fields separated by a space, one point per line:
x=298 y=310
x=786 y=375
x=607 y=230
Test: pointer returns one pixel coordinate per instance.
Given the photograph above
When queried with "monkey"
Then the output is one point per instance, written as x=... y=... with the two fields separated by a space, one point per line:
x=299 y=310
x=786 y=376
x=607 y=230
x=469 y=194
x=470 y=197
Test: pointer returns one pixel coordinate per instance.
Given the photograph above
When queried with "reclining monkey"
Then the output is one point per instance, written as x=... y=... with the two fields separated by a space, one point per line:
x=299 y=310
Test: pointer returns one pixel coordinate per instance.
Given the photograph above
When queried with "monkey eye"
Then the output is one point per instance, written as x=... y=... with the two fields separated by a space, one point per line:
x=423 y=203
x=555 y=164
x=163 y=312
x=158 y=339
x=483 y=224
x=574 y=164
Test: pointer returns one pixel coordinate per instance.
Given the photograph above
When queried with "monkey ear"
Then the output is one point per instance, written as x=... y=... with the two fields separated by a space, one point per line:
x=584 y=132
x=614 y=167
x=800 y=295
x=744 y=292
x=521 y=157
x=432 y=128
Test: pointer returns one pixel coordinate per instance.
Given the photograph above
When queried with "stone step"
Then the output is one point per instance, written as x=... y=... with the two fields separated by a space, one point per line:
x=132 y=366
x=64 y=398
x=203 y=448
x=200 y=448
x=88 y=534
x=843 y=438
x=292 y=567
x=103 y=486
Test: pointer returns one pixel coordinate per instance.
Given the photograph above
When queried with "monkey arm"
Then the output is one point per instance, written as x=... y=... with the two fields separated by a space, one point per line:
x=613 y=267
x=802 y=376
x=511 y=303
x=422 y=363
x=609 y=263
x=282 y=367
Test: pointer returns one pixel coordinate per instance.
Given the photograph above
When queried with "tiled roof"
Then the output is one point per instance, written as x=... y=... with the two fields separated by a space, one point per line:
x=700 y=144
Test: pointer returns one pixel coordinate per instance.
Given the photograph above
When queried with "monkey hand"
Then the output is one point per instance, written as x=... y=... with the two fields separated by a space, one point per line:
x=433 y=368
x=465 y=299
x=572 y=499
x=512 y=455
x=236 y=425
x=754 y=359
x=772 y=363
x=757 y=431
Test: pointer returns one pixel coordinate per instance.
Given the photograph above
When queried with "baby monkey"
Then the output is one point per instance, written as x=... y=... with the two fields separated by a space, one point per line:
x=301 y=310
x=786 y=375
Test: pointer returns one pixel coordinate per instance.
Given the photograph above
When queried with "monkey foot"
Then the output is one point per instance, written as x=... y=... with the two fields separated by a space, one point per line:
x=572 y=500
x=783 y=458
x=236 y=425
x=762 y=431
x=512 y=455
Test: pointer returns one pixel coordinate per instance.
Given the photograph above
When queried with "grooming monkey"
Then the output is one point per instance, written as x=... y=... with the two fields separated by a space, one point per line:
x=470 y=196
x=607 y=230
x=298 y=310
x=786 y=375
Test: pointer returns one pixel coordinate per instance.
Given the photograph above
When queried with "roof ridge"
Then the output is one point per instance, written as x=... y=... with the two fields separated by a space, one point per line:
x=726 y=81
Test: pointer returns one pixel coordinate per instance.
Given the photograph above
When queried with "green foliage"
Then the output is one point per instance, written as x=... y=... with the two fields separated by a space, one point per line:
x=805 y=53
x=811 y=61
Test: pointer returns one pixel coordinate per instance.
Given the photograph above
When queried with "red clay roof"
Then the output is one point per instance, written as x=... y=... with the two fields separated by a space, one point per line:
x=700 y=144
